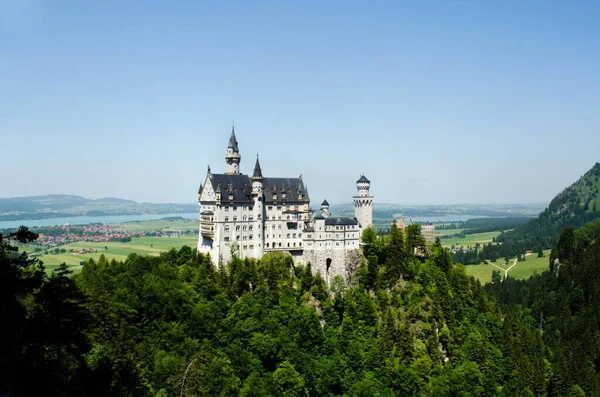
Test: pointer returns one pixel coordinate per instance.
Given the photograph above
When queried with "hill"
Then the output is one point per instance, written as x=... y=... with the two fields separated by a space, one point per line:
x=575 y=206
x=60 y=205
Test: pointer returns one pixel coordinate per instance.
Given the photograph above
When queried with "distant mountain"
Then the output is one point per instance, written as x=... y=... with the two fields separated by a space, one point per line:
x=60 y=205
x=575 y=206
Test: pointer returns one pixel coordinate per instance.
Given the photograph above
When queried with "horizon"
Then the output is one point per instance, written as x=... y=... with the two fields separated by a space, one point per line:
x=435 y=103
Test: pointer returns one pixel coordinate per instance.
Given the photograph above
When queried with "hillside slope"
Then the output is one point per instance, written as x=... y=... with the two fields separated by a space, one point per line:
x=575 y=206
x=57 y=205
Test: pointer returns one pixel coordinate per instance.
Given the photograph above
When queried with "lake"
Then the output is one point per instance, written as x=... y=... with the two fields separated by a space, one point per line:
x=84 y=220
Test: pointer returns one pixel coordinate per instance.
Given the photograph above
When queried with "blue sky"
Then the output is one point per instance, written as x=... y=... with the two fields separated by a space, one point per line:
x=454 y=101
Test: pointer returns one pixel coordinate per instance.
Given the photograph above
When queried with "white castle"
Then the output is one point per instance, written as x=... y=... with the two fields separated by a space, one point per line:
x=250 y=216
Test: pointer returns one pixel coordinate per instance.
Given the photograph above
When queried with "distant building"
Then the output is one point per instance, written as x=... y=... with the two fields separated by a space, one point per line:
x=428 y=231
x=253 y=215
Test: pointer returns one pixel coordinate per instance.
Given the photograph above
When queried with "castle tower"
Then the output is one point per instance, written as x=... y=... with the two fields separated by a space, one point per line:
x=363 y=203
x=257 y=211
x=233 y=157
x=325 y=208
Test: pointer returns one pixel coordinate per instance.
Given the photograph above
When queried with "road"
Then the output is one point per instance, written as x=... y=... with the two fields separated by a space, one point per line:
x=503 y=269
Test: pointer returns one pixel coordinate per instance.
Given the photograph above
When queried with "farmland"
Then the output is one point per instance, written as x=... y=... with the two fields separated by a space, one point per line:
x=523 y=270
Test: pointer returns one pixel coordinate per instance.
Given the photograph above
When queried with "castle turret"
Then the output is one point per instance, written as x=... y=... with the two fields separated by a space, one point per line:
x=325 y=208
x=363 y=203
x=233 y=157
x=257 y=210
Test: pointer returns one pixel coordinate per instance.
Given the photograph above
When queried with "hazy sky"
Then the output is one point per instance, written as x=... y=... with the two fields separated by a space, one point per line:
x=434 y=101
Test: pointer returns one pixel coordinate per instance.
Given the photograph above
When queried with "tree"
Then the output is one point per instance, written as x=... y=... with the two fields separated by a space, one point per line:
x=288 y=382
x=540 y=252
x=496 y=276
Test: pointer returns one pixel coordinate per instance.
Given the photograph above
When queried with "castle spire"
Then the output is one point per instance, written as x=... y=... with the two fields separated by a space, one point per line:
x=233 y=143
x=233 y=157
x=257 y=170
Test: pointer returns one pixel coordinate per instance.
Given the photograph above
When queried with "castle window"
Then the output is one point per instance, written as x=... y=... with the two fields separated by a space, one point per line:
x=235 y=218
x=288 y=245
x=245 y=228
x=250 y=238
x=273 y=226
x=226 y=208
x=279 y=208
x=226 y=219
x=270 y=207
x=237 y=228
x=294 y=244
x=226 y=228
x=226 y=238
x=288 y=217
x=244 y=218
x=245 y=238
x=280 y=244
x=267 y=245
x=299 y=235
x=250 y=228
x=259 y=216
x=300 y=243
x=237 y=238
x=288 y=235
x=251 y=218
x=251 y=246
x=294 y=235
x=279 y=227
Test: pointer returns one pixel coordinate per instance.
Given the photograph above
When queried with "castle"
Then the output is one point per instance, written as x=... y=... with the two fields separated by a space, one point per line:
x=252 y=215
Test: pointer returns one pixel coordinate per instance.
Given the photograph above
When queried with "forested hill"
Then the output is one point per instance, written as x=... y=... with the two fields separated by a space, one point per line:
x=61 y=205
x=564 y=304
x=575 y=206
x=401 y=324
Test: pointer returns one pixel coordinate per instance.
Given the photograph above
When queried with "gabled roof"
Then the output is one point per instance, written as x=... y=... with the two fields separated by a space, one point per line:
x=239 y=185
x=291 y=186
x=325 y=203
x=340 y=221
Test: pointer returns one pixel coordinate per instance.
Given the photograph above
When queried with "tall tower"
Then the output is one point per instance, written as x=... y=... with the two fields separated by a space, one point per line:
x=257 y=211
x=363 y=203
x=233 y=157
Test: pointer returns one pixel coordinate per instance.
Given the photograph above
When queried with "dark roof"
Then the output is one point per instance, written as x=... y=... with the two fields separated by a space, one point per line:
x=233 y=142
x=340 y=221
x=207 y=213
x=363 y=179
x=325 y=203
x=200 y=189
x=257 y=170
x=277 y=185
x=239 y=184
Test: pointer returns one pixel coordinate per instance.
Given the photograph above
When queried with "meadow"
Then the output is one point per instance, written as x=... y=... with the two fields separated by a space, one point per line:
x=523 y=270
x=470 y=239
x=118 y=250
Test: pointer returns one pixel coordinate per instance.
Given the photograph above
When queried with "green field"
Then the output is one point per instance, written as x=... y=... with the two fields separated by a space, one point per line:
x=442 y=232
x=117 y=250
x=522 y=270
x=470 y=239
x=120 y=251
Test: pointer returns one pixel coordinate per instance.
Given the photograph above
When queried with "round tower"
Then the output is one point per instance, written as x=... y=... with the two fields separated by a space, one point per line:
x=233 y=157
x=363 y=203
x=257 y=210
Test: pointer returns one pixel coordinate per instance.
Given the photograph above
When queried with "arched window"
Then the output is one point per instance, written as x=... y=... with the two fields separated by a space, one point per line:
x=226 y=219
x=250 y=227
x=237 y=238
x=288 y=235
x=226 y=228
x=288 y=245
x=245 y=228
x=259 y=216
x=237 y=228
x=279 y=227
x=294 y=235
x=244 y=217
x=299 y=235
x=288 y=217
x=250 y=237
x=235 y=218
x=273 y=226
x=267 y=245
